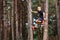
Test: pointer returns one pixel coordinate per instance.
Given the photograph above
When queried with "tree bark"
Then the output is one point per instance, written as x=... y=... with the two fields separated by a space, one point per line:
x=1 y=13
x=4 y=28
x=45 y=36
x=16 y=19
x=20 y=17
x=12 y=19
x=24 y=33
x=30 y=32
x=58 y=18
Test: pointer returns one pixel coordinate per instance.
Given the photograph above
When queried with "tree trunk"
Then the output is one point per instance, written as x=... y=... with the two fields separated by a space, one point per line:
x=20 y=17
x=16 y=19
x=24 y=29
x=20 y=25
x=1 y=12
x=30 y=32
x=12 y=19
x=58 y=18
x=45 y=36
x=4 y=28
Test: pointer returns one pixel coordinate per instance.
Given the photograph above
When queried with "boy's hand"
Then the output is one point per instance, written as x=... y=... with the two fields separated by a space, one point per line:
x=31 y=10
x=44 y=18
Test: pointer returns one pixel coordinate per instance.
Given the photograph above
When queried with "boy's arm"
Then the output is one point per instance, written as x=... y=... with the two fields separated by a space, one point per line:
x=44 y=15
x=34 y=11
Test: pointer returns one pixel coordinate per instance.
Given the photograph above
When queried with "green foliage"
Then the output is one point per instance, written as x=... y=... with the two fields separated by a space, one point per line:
x=52 y=18
x=8 y=9
x=34 y=4
x=35 y=34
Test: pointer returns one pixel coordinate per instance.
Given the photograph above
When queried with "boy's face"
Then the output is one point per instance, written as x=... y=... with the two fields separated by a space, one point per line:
x=39 y=8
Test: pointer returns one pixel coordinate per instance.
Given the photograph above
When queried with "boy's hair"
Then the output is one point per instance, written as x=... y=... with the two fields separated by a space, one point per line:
x=38 y=5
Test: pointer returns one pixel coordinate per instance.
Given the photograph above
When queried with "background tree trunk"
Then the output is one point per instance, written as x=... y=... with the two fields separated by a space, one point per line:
x=24 y=28
x=12 y=19
x=1 y=12
x=4 y=28
x=58 y=18
x=16 y=20
x=20 y=7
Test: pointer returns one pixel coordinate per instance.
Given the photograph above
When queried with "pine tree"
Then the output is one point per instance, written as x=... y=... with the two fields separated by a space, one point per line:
x=30 y=32
x=1 y=12
x=16 y=20
x=45 y=36
x=20 y=7
x=24 y=29
x=4 y=27
x=12 y=19
x=58 y=18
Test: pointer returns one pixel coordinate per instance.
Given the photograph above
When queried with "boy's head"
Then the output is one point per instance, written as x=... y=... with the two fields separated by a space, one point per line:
x=39 y=8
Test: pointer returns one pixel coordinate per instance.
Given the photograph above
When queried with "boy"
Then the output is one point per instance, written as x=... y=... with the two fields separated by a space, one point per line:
x=41 y=15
